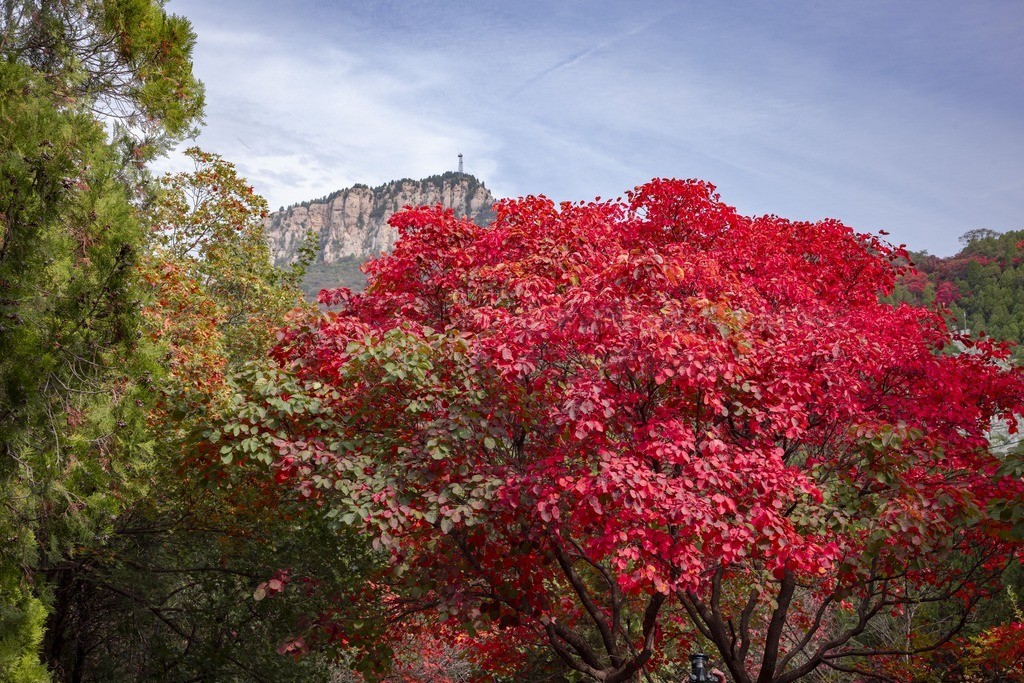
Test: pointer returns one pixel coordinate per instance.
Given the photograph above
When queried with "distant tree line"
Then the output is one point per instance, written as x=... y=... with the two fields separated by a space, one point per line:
x=982 y=285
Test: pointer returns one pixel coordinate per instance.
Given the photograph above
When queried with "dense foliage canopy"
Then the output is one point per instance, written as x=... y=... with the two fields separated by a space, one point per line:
x=72 y=369
x=615 y=427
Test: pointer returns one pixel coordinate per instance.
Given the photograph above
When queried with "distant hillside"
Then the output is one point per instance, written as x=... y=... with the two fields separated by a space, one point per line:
x=984 y=283
x=350 y=225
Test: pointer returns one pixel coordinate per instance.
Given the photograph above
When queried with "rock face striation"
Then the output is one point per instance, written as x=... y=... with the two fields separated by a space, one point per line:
x=352 y=225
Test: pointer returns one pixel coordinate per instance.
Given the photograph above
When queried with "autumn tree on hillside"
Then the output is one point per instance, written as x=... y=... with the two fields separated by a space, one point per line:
x=615 y=424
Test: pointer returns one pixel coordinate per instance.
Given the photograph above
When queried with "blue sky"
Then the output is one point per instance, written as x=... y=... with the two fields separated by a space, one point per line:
x=903 y=116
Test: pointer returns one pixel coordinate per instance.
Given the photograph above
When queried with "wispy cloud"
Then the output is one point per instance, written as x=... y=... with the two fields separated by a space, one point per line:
x=583 y=54
x=899 y=116
x=300 y=123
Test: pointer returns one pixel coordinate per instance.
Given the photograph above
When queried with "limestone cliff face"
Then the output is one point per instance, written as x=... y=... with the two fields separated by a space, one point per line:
x=353 y=222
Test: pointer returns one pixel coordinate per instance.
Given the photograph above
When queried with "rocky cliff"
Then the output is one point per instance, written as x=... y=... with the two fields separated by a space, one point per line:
x=351 y=224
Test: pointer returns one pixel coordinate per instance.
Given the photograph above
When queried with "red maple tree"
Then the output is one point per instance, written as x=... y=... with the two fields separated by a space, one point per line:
x=608 y=423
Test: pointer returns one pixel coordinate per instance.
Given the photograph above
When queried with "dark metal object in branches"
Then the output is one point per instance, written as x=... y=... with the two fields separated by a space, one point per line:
x=699 y=669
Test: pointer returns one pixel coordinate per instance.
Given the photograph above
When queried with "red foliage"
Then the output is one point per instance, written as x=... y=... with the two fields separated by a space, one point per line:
x=585 y=413
x=947 y=293
x=999 y=651
x=915 y=281
x=443 y=653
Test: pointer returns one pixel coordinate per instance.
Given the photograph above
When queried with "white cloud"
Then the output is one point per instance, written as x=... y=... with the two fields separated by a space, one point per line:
x=301 y=123
x=900 y=117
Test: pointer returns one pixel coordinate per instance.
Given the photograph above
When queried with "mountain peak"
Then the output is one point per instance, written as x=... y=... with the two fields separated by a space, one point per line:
x=352 y=223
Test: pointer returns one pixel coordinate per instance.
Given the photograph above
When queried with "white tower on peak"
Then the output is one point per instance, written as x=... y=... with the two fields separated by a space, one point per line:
x=460 y=162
